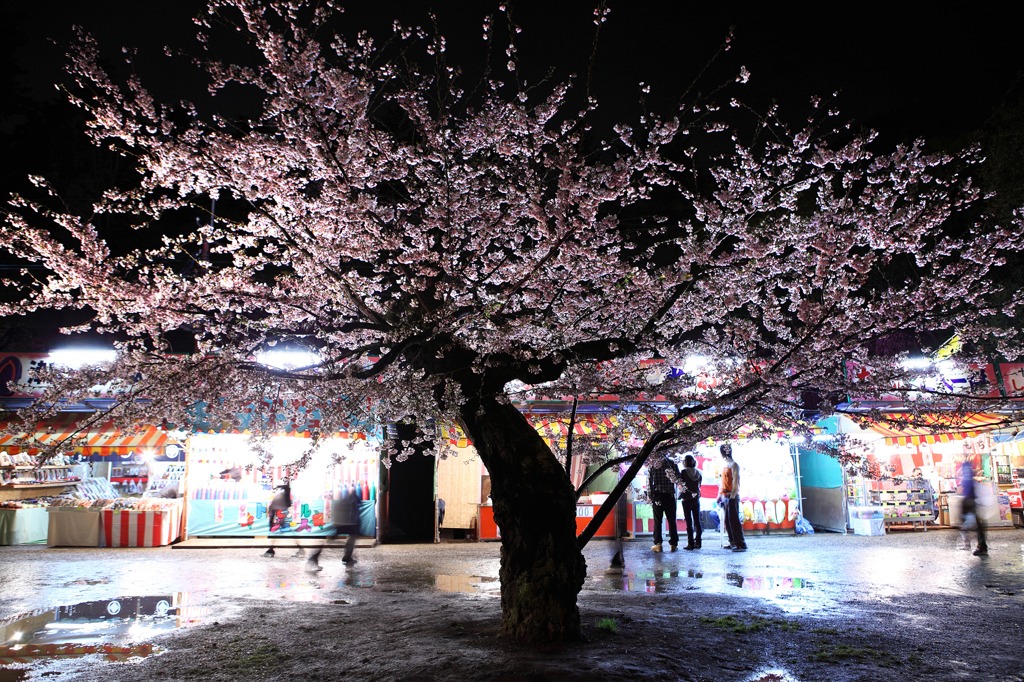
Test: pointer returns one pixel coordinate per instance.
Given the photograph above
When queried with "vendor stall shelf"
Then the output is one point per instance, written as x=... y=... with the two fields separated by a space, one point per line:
x=24 y=482
x=905 y=506
x=172 y=477
x=130 y=479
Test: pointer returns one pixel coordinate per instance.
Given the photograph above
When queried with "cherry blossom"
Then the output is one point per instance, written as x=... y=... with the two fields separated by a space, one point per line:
x=451 y=251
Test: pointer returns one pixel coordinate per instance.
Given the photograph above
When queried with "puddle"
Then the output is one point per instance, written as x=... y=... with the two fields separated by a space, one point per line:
x=669 y=581
x=117 y=629
x=760 y=583
x=473 y=584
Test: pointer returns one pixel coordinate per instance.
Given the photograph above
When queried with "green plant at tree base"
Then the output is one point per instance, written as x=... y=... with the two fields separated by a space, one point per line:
x=734 y=624
x=844 y=652
x=609 y=624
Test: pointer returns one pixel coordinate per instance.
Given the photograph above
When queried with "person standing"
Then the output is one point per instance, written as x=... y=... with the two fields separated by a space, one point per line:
x=691 y=479
x=661 y=487
x=969 y=506
x=729 y=498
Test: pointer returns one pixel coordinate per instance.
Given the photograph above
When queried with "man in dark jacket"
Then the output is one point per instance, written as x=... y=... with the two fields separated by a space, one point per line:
x=661 y=486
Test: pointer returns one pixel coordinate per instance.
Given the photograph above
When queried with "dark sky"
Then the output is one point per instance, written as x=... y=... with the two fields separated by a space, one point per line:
x=906 y=69
x=910 y=66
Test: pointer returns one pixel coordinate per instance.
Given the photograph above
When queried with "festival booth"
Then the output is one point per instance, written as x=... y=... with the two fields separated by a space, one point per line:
x=228 y=488
x=769 y=488
x=36 y=508
x=907 y=475
x=769 y=481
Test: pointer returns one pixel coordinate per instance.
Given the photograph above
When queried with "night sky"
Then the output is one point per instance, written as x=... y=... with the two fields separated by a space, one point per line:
x=909 y=70
x=909 y=67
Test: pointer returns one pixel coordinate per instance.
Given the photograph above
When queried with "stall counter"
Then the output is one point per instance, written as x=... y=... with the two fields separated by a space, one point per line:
x=73 y=527
x=23 y=526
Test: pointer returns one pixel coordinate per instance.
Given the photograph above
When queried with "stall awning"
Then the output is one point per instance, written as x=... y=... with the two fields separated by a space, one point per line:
x=555 y=430
x=105 y=440
x=40 y=435
x=902 y=429
x=73 y=431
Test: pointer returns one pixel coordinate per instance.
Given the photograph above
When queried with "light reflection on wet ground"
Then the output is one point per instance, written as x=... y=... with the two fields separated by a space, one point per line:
x=797 y=592
x=47 y=641
x=794 y=574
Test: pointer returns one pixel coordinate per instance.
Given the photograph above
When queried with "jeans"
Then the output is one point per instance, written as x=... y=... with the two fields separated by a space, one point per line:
x=691 y=513
x=664 y=505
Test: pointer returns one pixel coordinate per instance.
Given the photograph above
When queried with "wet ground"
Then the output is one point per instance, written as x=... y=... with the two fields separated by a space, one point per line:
x=842 y=607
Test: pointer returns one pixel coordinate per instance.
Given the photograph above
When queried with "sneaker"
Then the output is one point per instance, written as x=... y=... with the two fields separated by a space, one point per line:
x=740 y=549
x=300 y=553
x=348 y=560
x=690 y=548
x=656 y=547
x=981 y=551
x=729 y=547
x=313 y=567
x=269 y=553
x=673 y=548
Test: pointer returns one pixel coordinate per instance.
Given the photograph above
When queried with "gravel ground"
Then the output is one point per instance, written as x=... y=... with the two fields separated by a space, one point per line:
x=909 y=605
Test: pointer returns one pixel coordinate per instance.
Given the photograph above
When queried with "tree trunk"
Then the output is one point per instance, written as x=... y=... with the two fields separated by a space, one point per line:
x=542 y=569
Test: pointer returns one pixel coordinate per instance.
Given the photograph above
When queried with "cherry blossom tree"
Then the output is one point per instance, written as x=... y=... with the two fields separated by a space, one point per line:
x=444 y=249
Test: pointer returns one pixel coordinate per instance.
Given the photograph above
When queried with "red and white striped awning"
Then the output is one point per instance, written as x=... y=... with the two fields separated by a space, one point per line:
x=934 y=427
x=74 y=431
x=43 y=434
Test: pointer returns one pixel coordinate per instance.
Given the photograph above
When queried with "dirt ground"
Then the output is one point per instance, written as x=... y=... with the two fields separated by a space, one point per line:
x=419 y=636
x=400 y=630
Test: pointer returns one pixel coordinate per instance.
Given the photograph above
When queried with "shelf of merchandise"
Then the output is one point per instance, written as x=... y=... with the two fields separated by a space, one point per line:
x=915 y=510
x=25 y=467
x=24 y=491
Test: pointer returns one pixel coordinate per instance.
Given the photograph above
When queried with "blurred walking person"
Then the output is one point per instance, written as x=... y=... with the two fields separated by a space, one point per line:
x=344 y=521
x=969 y=508
x=277 y=513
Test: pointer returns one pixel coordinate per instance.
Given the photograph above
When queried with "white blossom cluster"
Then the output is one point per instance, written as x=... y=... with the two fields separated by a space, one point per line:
x=433 y=244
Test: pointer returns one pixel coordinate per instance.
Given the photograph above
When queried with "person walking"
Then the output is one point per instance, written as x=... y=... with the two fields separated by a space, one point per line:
x=729 y=498
x=277 y=512
x=969 y=507
x=691 y=479
x=344 y=521
x=661 y=487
